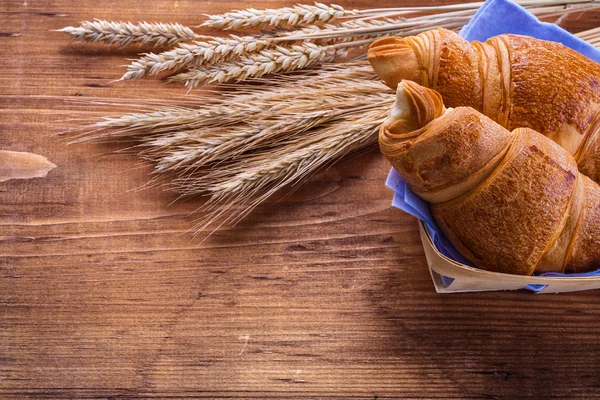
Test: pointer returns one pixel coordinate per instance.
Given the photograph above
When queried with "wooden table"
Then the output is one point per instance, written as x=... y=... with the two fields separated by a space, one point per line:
x=325 y=294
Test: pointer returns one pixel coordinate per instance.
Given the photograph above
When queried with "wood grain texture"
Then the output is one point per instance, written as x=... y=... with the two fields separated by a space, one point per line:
x=322 y=295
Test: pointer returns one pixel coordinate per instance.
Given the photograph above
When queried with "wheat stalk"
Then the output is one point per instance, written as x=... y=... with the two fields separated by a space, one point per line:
x=258 y=139
x=125 y=33
x=330 y=34
x=255 y=123
x=194 y=55
x=237 y=189
x=302 y=15
x=278 y=18
x=220 y=49
x=241 y=103
x=185 y=150
x=269 y=61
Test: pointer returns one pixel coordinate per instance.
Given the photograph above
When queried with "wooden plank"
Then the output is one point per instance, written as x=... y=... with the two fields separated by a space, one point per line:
x=324 y=294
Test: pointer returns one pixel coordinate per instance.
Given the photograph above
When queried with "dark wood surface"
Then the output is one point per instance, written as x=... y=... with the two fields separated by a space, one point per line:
x=324 y=294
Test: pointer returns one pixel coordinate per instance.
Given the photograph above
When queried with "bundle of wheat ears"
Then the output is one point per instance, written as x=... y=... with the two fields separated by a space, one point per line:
x=295 y=95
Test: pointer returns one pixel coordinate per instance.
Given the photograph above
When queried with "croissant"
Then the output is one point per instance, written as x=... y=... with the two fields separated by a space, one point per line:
x=517 y=81
x=511 y=202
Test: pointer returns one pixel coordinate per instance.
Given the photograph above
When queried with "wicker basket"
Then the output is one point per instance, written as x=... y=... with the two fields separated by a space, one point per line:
x=469 y=279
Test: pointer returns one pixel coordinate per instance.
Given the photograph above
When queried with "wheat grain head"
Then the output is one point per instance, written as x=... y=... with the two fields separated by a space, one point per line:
x=126 y=33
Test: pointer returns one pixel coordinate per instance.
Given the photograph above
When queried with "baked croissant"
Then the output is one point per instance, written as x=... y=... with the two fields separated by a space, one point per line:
x=511 y=202
x=517 y=81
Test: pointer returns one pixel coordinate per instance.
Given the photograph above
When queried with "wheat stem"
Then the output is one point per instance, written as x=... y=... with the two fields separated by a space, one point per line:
x=405 y=26
x=470 y=6
x=329 y=34
x=372 y=29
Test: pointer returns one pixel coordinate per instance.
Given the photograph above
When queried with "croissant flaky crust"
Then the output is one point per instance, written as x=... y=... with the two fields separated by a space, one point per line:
x=511 y=202
x=517 y=81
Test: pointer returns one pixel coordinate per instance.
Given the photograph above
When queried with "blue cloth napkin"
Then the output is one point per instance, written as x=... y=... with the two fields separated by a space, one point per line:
x=495 y=17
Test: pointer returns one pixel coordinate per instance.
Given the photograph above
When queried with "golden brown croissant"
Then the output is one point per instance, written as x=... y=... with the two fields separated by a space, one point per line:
x=517 y=81
x=511 y=202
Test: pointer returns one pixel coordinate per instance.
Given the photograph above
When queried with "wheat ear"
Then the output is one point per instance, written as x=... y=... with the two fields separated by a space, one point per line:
x=238 y=104
x=278 y=18
x=237 y=189
x=194 y=149
x=257 y=139
x=218 y=49
x=193 y=55
x=278 y=59
x=125 y=33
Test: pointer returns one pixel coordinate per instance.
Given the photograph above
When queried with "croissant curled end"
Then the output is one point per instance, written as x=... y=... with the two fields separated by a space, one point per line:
x=394 y=59
x=415 y=107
